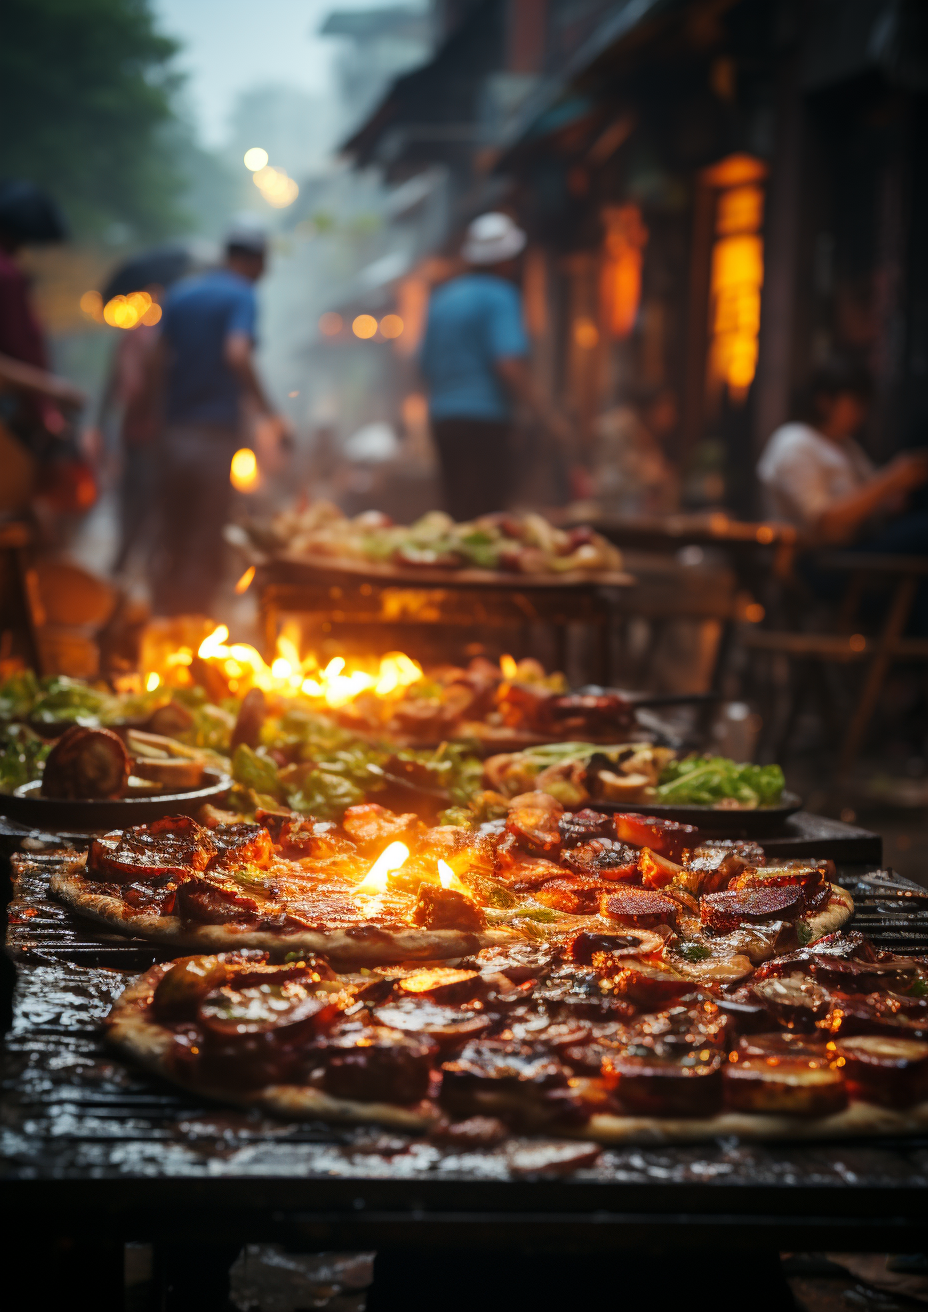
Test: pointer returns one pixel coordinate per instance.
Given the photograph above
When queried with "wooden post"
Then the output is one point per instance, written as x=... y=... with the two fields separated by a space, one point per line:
x=773 y=383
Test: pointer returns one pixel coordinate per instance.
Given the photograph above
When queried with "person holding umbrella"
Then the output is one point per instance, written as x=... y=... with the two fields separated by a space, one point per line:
x=205 y=358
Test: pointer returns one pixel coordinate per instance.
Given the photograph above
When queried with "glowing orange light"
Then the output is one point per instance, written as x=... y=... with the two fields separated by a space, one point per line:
x=737 y=271
x=586 y=334
x=389 y=860
x=754 y=613
x=735 y=170
x=391 y=325
x=331 y=324
x=449 y=879
x=152 y=315
x=245 y=581
x=508 y=666
x=289 y=674
x=740 y=210
x=364 y=326
x=92 y=305
x=620 y=280
x=243 y=473
x=128 y=311
x=152 y=682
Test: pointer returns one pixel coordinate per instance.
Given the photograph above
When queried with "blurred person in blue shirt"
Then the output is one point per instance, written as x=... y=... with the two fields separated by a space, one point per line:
x=205 y=362
x=475 y=362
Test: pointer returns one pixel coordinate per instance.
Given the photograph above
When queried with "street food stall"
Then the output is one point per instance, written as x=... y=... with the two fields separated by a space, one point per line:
x=349 y=953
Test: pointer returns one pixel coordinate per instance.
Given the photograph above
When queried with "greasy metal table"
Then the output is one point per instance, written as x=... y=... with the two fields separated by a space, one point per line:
x=95 y=1146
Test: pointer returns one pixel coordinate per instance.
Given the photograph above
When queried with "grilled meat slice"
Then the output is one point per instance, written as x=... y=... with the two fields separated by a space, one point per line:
x=722 y=913
x=376 y=1064
x=176 y=847
x=604 y=858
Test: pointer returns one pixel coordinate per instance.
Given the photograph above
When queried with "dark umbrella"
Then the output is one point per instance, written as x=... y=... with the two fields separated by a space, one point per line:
x=163 y=265
x=29 y=214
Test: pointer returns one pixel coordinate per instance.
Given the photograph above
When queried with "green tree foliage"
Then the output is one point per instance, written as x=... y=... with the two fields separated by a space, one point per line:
x=85 y=100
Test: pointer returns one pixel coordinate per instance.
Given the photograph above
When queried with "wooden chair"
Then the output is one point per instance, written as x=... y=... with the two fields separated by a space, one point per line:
x=843 y=643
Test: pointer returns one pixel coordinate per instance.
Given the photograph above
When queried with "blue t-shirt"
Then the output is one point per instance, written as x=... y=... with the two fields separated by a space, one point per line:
x=199 y=315
x=473 y=321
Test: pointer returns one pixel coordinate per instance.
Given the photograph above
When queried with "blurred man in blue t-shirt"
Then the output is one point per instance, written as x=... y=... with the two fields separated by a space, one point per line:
x=475 y=361
x=206 y=360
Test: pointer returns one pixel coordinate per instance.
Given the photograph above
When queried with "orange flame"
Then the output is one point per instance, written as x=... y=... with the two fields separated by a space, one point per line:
x=390 y=859
x=244 y=667
x=450 y=880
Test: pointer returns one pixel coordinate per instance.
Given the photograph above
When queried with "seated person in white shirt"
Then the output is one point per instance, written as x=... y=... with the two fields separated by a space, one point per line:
x=816 y=476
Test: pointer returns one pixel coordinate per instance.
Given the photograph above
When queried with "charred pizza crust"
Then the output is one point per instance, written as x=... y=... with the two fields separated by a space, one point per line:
x=149 y=1043
x=832 y=917
x=856 y=1120
x=364 y=943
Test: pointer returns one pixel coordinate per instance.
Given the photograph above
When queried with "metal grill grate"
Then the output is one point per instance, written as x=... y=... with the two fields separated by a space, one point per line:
x=72 y=1110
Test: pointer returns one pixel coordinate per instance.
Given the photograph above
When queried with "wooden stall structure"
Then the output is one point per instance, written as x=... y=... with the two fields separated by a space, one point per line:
x=324 y=592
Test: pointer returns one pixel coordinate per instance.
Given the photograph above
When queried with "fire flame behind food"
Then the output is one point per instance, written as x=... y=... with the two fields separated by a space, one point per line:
x=390 y=859
x=243 y=667
x=450 y=880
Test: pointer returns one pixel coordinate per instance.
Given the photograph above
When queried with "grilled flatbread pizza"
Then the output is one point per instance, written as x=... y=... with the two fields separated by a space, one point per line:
x=382 y=888
x=602 y=1040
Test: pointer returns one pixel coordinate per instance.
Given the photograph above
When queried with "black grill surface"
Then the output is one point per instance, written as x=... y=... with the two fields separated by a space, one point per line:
x=80 y=1125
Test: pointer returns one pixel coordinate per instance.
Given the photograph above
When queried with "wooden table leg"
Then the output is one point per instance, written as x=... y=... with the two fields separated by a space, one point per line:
x=267 y=607
x=899 y=611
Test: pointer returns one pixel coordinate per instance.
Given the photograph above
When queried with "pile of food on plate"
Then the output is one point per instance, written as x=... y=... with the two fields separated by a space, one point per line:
x=510 y=543
x=609 y=977
x=419 y=746
x=577 y=773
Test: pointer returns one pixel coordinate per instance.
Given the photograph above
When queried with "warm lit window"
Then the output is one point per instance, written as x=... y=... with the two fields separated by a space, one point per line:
x=737 y=272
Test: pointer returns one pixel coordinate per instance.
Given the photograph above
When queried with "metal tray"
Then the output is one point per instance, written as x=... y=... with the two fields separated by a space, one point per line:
x=712 y=822
x=53 y=814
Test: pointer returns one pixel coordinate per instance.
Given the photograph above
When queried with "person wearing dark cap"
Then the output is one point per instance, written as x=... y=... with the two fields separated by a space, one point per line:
x=475 y=361
x=35 y=404
x=205 y=359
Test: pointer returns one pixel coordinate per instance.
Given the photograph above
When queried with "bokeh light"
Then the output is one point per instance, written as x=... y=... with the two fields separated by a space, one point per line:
x=92 y=305
x=415 y=408
x=246 y=580
x=276 y=186
x=365 y=325
x=255 y=159
x=243 y=473
x=391 y=325
x=586 y=334
x=331 y=324
x=129 y=311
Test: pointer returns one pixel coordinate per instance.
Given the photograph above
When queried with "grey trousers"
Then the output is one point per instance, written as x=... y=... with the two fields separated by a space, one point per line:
x=192 y=507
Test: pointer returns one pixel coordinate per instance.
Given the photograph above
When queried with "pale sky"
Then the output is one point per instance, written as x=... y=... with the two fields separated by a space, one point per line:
x=233 y=45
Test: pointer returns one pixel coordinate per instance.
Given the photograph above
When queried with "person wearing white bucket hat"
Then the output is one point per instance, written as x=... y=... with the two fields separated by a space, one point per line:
x=475 y=362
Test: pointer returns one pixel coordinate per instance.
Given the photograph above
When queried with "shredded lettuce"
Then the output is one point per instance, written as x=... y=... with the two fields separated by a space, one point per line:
x=22 y=756
x=705 y=780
